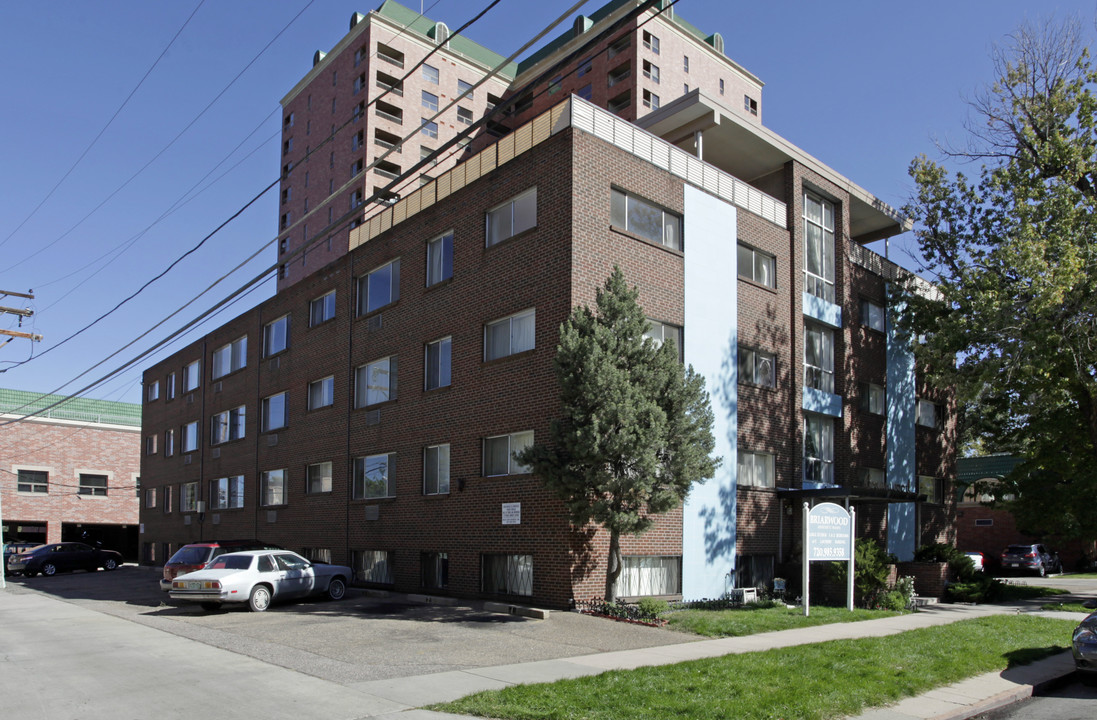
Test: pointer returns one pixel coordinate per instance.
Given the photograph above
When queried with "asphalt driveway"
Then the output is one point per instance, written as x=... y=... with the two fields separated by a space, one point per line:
x=360 y=638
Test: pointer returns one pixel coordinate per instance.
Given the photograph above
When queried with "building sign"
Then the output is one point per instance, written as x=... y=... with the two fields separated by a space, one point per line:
x=829 y=533
x=512 y=513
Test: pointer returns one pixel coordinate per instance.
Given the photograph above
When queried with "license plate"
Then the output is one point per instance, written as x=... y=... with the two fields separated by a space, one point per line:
x=194 y=585
x=1014 y=565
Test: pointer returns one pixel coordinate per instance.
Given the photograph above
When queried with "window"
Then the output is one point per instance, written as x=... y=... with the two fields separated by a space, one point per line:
x=167 y=505
x=359 y=83
x=721 y=86
x=274 y=412
x=287 y=146
x=438 y=363
x=464 y=89
x=150 y=444
x=357 y=198
x=436 y=470
x=757 y=367
x=188 y=497
x=434 y=570
x=646 y=220
x=373 y=477
x=150 y=498
x=430 y=101
x=318 y=478
x=685 y=63
x=154 y=390
x=169 y=442
x=192 y=376
x=651 y=100
x=585 y=66
x=651 y=42
x=464 y=115
x=819 y=247
x=618 y=46
x=757 y=266
x=390 y=55
x=499 y=454
x=512 y=217
x=288 y=122
x=648 y=575
x=818 y=449
x=430 y=74
x=872 y=315
x=32 y=481
x=585 y=92
x=322 y=309
x=510 y=335
x=660 y=332
x=426 y=153
x=555 y=84
x=932 y=488
x=818 y=358
x=373 y=566
x=926 y=414
x=440 y=259
x=287 y=218
x=190 y=437
x=508 y=574
x=226 y=493
x=92 y=485
x=276 y=336
x=322 y=393
x=228 y=425
x=750 y=105
x=230 y=358
x=375 y=382
x=169 y=388
x=356 y=168
x=651 y=72
x=871 y=477
x=756 y=469
x=873 y=398
x=272 y=487
x=379 y=288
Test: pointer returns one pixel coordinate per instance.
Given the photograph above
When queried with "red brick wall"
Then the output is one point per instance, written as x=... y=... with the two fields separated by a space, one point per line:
x=65 y=451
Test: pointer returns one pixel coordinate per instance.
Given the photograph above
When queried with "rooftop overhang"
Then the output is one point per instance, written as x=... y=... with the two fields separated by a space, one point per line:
x=850 y=495
x=750 y=151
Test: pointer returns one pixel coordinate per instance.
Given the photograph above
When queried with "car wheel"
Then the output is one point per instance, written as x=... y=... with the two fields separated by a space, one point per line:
x=337 y=589
x=259 y=599
x=110 y=564
x=49 y=569
x=211 y=606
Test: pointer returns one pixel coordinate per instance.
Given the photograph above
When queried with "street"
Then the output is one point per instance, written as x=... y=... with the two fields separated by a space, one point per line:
x=1074 y=701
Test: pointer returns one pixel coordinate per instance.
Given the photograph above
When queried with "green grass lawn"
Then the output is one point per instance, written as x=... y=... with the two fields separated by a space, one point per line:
x=818 y=681
x=1028 y=592
x=735 y=622
x=1066 y=607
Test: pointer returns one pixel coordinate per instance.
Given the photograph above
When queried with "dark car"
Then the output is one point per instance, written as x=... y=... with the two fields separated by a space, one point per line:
x=1084 y=645
x=1032 y=558
x=13 y=549
x=62 y=557
x=190 y=558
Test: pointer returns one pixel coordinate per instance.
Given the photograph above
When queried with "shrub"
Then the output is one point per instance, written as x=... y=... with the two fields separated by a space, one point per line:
x=652 y=608
x=870 y=573
x=979 y=589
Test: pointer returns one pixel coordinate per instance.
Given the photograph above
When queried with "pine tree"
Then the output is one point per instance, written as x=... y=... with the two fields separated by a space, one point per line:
x=636 y=426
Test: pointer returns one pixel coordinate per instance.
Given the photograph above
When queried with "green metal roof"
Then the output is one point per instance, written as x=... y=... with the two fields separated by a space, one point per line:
x=460 y=44
x=970 y=469
x=20 y=402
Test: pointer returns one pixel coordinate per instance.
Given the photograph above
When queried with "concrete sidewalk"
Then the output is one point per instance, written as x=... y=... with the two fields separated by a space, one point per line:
x=112 y=667
x=962 y=700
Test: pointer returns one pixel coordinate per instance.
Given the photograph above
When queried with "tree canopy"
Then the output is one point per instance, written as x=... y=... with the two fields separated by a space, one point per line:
x=1012 y=252
x=636 y=426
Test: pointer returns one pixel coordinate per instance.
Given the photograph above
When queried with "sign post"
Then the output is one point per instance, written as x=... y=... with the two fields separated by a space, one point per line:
x=828 y=535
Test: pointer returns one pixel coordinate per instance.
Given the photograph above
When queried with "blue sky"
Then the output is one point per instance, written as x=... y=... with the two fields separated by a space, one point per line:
x=863 y=86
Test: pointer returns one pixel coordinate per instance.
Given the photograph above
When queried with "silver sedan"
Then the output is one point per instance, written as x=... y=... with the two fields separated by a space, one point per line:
x=258 y=577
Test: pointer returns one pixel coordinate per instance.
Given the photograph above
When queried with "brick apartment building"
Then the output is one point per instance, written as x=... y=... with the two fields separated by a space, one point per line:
x=372 y=416
x=71 y=473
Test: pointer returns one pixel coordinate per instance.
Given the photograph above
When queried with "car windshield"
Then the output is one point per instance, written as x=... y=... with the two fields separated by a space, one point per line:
x=1019 y=549
x=190 y=556
x=231 y=562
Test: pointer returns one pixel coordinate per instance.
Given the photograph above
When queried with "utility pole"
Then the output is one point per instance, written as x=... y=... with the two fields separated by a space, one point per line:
x=22 y=313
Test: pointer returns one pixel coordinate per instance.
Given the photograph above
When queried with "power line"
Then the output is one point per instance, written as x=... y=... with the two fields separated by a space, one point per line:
x=109 y=123
x=166 y=147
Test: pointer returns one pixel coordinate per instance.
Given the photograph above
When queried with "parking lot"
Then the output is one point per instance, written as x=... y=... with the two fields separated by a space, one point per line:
x=360 y=638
